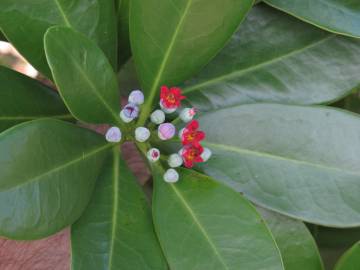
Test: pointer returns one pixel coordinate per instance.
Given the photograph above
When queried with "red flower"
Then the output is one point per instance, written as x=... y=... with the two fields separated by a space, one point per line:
x=191 y=134
x=191 y=154
x=171 y=98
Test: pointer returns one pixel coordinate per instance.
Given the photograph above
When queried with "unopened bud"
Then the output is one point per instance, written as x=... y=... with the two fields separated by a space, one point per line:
x=171 y=176
x=157 y=117
x=136 y=97
x=206 y=154
x=187 y=114
x=153 y=155
x=113 y=135
x=166 y=131
x=142 y=134
x=175 y=160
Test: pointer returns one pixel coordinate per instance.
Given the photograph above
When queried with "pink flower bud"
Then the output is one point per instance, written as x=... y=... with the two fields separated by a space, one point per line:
x=153 y=155
x=166 y=131
x=166 y=110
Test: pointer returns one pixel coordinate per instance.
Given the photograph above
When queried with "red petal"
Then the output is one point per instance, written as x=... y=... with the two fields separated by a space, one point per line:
x=200 y=135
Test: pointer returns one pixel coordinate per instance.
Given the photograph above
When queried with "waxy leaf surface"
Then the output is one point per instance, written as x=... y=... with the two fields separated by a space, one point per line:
x=48 y=170
x=83 y=75
x=274 y=57
x=116 y=230
x=297 y=246
x=338 y=16
x=172 y=40
x=25 y=22
x=202 y=224
x=23 y=99
x=124 y=50
x=300 y=161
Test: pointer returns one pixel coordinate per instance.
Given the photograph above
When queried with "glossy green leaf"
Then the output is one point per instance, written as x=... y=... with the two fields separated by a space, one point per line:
x=25 y=22
x=202 y=224
x=276 y=58
x=300 y=161
x=48 y=170
x=116 y=230
x=124 y=50
x=297 y=246
x=83 y=75
x=338 y=16
x=350 y=260
x=23 y=99
x=172 y=40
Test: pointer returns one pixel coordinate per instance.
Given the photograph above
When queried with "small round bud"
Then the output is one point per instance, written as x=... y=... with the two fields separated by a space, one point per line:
x=181 y=151
x=157 y=117
x=136 y=97
x=206 y=154
x=175 y=160
x=153 y=155
x=171 y=176
x=113 y=135
x=131 y=111
x=166 y=131
x=187 y=114
x=124 y=118
x=181 y=132
x=166 y=110
x=142 y=134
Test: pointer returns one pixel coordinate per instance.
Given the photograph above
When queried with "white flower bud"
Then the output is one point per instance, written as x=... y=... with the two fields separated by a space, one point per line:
x=142 y=134
x=181 y=132
x=175 y=160
x=187 y=114
x=171 y=176
x=136 y=97
x=113 y=135
x=206 y=154
x=166 y=131
x=153 y=155
x=157 y=117
x=166 y=110
x=130 y=112
x=125 y=118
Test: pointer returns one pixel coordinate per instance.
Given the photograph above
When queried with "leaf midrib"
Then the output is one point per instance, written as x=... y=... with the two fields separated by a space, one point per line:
x=167 y=54
x=271 y=156
x=59 y=116
x=116 y=205
x=239 y=73
x=65 y=165
x=62 y=13
x=92 y=87
x=199 y=225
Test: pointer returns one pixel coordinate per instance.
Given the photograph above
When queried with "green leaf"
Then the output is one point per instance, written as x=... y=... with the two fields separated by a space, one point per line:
x=116 y=230
x=23 y=99
x=297 y=246
x=276 y=58
x=124 y=50
x=25 y=23
x=172 y=40
x=83 y=75
x=338 y=16
x=202 y=224
x=299 y=161
x=48 y=169
x=350 y=260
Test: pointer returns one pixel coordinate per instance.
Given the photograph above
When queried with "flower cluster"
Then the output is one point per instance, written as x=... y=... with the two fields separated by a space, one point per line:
x=170 y=100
